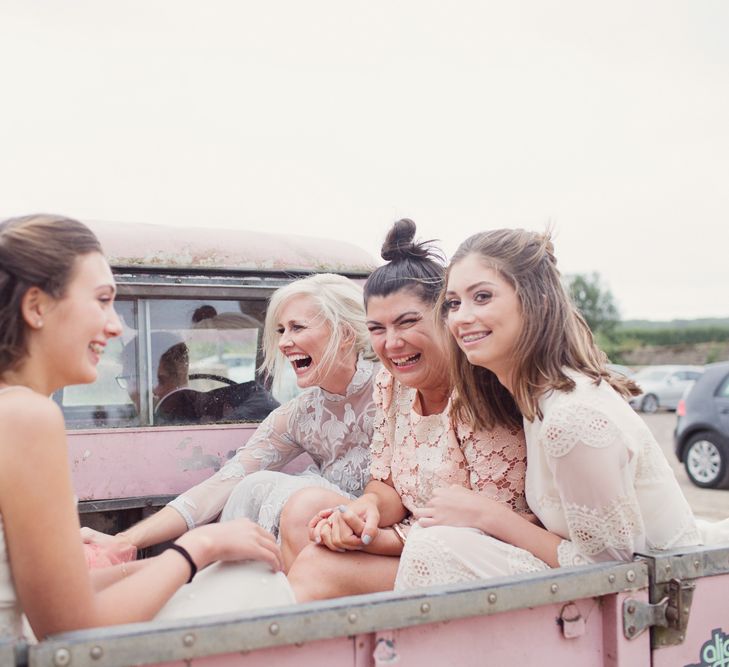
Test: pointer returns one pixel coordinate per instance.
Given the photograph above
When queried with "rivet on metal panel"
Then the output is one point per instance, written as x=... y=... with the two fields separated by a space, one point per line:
x=425 y=608
x=631 y=609
x=554 y=588
x=492 y=598
x=630 y=575
x=611 y=578
x=188 y=639
x=96 y=652
x=681 y=638
x=697 y=564
x=62 y=657
x=274 y=628
x=668 y=568
x=631 y=630
x=352 y=618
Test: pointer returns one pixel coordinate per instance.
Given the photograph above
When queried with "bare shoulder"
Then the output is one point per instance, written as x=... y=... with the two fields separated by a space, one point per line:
x=28 y=419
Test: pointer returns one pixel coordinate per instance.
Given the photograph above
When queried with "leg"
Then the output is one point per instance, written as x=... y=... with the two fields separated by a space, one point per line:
x=321 y=574
x=295 y=517
x=261 y=496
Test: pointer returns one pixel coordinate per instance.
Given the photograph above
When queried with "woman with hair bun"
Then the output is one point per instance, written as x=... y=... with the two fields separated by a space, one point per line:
x=419 y=455
x=596 y=478
x=56 y=317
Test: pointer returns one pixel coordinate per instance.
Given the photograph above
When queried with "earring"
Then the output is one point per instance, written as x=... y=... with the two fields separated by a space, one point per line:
x=39 y=324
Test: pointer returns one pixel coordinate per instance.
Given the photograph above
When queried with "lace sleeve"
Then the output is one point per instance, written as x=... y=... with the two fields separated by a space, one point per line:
x=497 y=464
x=271 y=447
x=589 y=459
x=381 y=446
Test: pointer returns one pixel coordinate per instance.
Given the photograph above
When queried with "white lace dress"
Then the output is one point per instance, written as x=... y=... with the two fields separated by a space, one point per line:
x=425 y=453
x=334 y=430
x=595 y=476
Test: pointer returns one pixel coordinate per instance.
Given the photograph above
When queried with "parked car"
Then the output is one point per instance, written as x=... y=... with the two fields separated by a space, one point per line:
x=619 y=369
x=663 y=386
x=701 y=436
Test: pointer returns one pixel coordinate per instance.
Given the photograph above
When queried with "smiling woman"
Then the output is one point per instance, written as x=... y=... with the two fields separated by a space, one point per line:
x=56 y=317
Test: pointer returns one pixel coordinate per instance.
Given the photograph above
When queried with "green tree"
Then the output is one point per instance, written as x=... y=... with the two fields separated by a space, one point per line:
x=595 y=302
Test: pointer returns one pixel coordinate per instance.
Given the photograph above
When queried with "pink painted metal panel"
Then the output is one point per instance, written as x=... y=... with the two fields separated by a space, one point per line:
x=618 y=651
x=523 y=637
x=339 y=652
x=123 y=463
x=155 y=246
x=709 y=612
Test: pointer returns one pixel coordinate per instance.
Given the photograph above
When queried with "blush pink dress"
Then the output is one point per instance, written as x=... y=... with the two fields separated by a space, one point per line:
x=423 y=453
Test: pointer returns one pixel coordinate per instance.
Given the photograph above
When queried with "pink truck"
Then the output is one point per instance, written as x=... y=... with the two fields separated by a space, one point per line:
x=130 y=454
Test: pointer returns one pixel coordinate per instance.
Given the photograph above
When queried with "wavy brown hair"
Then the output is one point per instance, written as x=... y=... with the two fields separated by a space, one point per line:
x=35 y=251
x=554 y=337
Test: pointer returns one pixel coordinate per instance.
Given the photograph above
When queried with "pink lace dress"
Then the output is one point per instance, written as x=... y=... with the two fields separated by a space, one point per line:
x=423 y=453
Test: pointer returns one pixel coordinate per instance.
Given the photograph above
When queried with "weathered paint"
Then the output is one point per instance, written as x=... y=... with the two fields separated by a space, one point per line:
x=709 y=611
x=135 y=245
x=128 y=462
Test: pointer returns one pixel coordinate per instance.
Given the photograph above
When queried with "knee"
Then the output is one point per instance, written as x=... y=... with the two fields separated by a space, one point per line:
x=302 y=506
x=305 y=575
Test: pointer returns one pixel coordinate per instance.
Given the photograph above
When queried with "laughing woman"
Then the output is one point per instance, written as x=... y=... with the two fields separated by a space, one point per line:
x=317 y=325
x=418 y=453
x=596 y=478
x=56 y=317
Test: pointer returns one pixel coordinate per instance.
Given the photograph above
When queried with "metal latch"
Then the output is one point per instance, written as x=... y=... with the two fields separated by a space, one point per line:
x=669 y=617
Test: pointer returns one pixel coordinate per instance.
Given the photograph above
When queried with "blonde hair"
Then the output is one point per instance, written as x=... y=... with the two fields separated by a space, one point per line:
x=554 y=336
x=340 y=305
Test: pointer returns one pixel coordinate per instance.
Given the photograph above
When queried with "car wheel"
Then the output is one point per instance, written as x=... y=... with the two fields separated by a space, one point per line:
x=705 y=459
x=649 y=404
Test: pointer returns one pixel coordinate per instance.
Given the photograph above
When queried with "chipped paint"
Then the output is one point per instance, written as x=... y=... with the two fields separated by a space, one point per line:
x=134 y=245
x=199 y=461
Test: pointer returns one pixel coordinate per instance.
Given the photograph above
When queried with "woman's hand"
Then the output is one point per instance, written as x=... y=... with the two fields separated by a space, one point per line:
x=456 y=506
x=236 y=540
x=347 y=527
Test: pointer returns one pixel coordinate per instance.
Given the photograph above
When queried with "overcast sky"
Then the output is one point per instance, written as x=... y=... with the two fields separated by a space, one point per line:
x=608 y=120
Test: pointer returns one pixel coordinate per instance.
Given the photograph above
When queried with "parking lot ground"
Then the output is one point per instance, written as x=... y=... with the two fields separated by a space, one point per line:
x=706 y=503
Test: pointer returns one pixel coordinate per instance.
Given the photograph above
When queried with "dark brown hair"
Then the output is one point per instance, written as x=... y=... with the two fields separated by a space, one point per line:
x=554 y=336
x=35 y=251
x=416 y=266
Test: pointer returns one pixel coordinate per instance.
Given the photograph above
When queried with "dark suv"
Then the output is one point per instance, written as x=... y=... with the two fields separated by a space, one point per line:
x=701 y=437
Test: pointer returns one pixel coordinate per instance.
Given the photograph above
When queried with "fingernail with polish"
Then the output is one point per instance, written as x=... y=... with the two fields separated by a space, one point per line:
x=366 y=539
x=342 y=508
x=317 y=540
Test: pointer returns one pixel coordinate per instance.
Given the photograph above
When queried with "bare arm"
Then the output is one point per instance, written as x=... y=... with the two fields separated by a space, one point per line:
x=268 y=448
x=42 y=534
x=167 y=524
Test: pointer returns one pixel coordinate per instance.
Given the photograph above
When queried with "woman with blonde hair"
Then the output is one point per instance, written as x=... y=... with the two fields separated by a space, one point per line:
x=56 y=317
x=315 y=325
x=596 y=478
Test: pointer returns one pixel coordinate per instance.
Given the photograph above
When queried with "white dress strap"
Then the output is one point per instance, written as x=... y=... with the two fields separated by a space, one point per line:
x=14 y=386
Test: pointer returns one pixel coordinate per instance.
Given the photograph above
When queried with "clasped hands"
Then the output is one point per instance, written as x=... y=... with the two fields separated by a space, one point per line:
x=355 y=526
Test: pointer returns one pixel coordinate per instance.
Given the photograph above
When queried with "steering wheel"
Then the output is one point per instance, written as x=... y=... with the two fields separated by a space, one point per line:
x=212 y=376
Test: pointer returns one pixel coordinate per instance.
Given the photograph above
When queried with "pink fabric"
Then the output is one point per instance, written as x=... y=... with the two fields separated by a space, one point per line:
x=425 y=453
x=110 y=553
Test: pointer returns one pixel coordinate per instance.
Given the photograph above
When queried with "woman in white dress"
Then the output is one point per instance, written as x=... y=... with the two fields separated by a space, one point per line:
x=56 y=316
x=596 y=478
x=317 y=326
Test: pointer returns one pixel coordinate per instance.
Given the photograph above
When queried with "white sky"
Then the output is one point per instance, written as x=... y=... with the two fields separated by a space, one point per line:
x=334 y=118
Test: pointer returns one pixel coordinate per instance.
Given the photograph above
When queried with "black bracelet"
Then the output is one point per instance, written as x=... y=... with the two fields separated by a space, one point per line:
x=186 y=555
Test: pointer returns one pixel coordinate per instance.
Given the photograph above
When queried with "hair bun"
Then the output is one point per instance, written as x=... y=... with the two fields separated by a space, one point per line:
x=399 y=243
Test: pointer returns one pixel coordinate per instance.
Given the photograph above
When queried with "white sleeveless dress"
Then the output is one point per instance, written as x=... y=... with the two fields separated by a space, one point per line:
x=10 y=613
